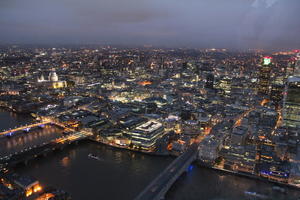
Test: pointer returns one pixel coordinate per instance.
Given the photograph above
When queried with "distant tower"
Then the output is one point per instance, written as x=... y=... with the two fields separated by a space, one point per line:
x=162 y=62
x=210 y=81
x=297 y=66
x=53 y=76
x=264 y=76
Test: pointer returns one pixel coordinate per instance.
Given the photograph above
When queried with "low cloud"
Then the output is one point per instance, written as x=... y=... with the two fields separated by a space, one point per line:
x=195 y=23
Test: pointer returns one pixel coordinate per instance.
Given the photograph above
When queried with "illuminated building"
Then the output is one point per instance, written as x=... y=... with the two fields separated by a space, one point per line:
x=52 y=82
x=275 y=172
x=276 y=93
x=289 y=71
x=291 y=107
x=59 y=84
x=144 y=83
x=191 y=127
x=146 y=135
x=264 y=76
x=225 y=85
x=240 y=158
x=53 y=76
x=41 y=78
x=293 y=68
x=291 y=102
x=30 y=186
x=297 y=66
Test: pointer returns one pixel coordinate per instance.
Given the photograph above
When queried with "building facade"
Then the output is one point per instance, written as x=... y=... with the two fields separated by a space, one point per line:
x=291 y=106
x=264 y=76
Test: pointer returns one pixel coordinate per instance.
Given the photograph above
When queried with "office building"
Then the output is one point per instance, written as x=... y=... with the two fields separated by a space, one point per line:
x=264 y=76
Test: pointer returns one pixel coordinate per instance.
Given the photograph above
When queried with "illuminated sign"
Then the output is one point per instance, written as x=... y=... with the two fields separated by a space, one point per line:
x=267 y=60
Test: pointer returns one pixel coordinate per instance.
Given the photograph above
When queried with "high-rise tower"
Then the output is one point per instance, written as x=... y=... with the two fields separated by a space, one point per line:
x=291 y=101
x=210 y=81
x=291 y=104
x=264 y=76
x=297 y=66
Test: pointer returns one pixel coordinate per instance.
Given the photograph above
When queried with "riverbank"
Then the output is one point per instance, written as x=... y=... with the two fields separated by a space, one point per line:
x=250 y=176
x=165 y=153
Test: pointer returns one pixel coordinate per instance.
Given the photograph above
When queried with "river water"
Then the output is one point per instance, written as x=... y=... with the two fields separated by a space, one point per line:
x=122 y=174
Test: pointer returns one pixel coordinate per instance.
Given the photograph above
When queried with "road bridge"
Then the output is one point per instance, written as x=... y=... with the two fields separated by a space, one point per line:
x=23 y=128
x=157 y=189
x=44 y=149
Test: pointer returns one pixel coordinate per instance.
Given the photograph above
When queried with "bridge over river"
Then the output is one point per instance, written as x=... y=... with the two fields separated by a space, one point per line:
x=161 y=184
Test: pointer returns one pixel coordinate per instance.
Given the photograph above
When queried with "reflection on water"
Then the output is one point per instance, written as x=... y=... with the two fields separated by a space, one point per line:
x=203 y=183
x=24 y=140
x=117 y=176
x=10 y=120
x=65 y=161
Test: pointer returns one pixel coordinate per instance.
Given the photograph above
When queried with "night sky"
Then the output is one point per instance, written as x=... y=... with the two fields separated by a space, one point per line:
x=239 y=24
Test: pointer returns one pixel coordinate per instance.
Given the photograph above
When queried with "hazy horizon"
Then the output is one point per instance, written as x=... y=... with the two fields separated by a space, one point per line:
x=232 y=24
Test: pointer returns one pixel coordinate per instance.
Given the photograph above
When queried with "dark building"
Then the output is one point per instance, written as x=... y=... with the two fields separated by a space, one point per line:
x=276 y=93
x=210 y=81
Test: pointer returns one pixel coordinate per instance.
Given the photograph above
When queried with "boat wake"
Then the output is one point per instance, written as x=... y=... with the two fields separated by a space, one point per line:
x=95 y=157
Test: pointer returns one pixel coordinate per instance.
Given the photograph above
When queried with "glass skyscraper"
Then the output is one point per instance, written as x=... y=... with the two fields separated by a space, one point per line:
x=291 y=106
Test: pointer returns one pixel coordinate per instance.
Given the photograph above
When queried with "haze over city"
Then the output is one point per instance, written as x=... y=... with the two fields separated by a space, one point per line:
x=236 y=24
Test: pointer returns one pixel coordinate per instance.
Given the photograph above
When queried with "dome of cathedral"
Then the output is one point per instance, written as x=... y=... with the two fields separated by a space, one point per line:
x=53 y=76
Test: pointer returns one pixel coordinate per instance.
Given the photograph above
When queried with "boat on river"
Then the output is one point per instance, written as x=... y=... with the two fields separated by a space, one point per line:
x=255 y=195
x=94 y=157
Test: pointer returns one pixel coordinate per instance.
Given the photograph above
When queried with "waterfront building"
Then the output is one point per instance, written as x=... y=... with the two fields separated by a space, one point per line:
x=209 y=150
x=267 y=153
x=240 y=158
x=146 y=135
x=28 y=185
